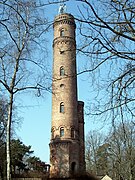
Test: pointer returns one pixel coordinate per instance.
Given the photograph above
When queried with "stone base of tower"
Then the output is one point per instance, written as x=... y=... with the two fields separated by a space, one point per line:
x=64 y=159
x=59 y=159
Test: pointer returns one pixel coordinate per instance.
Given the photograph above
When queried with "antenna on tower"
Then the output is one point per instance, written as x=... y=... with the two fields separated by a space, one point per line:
x=62 y=8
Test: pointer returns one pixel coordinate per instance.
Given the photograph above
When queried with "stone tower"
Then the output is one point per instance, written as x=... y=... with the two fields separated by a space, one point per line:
x=67 y=131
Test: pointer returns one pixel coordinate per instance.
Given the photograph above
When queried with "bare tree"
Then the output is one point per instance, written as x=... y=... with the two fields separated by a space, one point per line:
x=114 y=155
x=3 y=120
x=122 y=149
x=108 y=40
x=94 y=140
x=108 y=44
x=22 y=66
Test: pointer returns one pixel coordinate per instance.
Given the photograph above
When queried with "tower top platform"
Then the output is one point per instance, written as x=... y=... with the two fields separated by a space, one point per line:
x=64 y=18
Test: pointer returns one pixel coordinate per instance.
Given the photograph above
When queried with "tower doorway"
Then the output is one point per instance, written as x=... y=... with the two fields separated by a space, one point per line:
x=73 y=168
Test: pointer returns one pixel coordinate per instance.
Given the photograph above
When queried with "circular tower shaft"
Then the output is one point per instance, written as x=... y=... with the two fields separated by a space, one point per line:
x=66 y=155
x=64 y=76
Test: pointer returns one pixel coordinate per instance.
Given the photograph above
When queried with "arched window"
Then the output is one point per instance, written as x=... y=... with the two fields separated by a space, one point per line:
x=72 y=133
x=62 y=32
x=61 y=107
x=52 y=133
x=62 y=71
x=61 y=132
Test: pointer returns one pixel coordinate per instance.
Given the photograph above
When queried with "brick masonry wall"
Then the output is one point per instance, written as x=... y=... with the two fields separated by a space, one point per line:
x=66 y=151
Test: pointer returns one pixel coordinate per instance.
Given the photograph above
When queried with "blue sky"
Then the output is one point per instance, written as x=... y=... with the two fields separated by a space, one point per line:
x=36 y=112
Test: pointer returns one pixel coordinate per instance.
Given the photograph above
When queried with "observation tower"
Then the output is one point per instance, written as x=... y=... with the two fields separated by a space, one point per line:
x=67 y=150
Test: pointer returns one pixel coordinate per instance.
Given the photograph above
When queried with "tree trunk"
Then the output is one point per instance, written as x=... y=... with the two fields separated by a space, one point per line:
x=1 y=174
x=10 y=107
